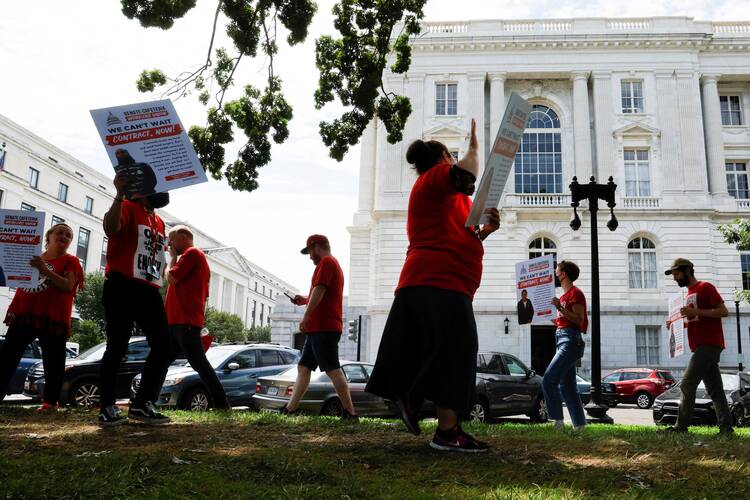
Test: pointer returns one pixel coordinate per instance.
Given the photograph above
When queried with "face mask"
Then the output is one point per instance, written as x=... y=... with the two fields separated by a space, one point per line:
x=557 y=282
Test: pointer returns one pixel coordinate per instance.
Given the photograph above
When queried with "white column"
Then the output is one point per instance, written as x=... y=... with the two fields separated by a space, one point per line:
x=414 y=88
x=476 y=108
x=603 y=126
x=669 y=123
x=368 y=157
x=717 y=179
x=691 y=133
x=497 y=103
x=581 y=127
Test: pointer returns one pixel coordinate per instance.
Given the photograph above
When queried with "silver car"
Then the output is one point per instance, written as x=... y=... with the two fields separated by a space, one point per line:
x=272 y=393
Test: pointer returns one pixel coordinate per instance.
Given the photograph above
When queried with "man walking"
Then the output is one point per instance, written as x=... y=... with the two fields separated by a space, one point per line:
x=188 y=275
x=322 y=324
x=703 y=311
x=134 y=270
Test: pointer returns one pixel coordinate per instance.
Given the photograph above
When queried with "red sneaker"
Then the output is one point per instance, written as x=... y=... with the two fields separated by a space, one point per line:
x=48 y=408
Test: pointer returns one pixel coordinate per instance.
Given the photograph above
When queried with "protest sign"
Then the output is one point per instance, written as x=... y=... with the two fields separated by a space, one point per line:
x=537 y=278
x=677 y=325
x=21 y=235
x=501 y=158
x=148 y=143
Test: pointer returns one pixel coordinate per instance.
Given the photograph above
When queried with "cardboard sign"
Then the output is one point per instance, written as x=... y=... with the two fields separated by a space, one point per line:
x=677 y=325
x=21 y=238
x=537 y=278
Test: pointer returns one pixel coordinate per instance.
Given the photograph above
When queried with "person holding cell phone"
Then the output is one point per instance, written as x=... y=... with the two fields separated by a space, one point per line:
x=131 y=296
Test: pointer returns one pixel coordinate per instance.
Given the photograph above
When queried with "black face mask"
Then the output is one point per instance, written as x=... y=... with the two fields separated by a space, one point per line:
x=557 y=282
x=158 y=200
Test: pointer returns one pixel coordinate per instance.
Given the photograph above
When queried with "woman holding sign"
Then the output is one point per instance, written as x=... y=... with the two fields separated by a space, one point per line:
x=44 y=313
x=429 y=345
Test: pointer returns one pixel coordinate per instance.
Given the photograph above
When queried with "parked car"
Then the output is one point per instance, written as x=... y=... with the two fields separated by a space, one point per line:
x=609 y=391
x=273 y=392
x=736 y=388
x=30 y=357
x=238 y=368
x=81 y=379
x=640 y=385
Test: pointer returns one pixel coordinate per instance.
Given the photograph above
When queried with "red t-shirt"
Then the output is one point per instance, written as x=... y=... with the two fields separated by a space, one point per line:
x=568 y=299
x=704 y=331
x=137 y=250
x=46 y=307
x=327 y=317
x=442 y=252
x=186 y=301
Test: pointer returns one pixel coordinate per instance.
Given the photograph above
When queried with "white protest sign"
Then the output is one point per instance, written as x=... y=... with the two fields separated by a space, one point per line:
x=500 y=161
x=537 y=278
x=147 y=142
x=21 y=236
x=677 y=325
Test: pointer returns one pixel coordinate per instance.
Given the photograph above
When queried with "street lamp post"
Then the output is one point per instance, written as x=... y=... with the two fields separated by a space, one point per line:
x=739 y=334
x=594 y=192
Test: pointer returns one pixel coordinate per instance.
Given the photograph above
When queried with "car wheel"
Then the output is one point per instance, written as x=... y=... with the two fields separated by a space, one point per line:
x=85 y=394
x=643 y=400
x=196 y=400
x=480 y=412
x=539 y=414
x=738 y=415
x=332 y=408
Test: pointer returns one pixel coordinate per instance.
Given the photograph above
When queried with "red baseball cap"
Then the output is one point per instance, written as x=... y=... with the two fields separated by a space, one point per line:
x=315 y=238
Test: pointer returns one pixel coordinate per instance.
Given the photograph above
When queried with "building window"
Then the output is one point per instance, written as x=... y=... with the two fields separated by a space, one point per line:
x=647 y=345
x=33 y=177
x=62 y=193
x=262 y=309
x=256 y=286
x=737 y=184
x=57 y=220
x=745 y=262
x=103 y=261
x=88 y=205
x=637 y=178
x=632 y=96
x=2 y=196
x=731 y=111
x=543 y=246
x=446 y=99
x=83 y=246
x=255 y=306
x=538 y=163
x=641 y=263
x=264 y=290
x=26 y=206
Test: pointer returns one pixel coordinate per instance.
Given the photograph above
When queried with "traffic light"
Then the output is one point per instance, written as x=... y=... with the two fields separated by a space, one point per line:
x=353 y=329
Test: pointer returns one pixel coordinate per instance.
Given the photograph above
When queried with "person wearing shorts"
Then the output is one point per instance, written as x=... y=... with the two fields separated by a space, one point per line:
x=322 y=324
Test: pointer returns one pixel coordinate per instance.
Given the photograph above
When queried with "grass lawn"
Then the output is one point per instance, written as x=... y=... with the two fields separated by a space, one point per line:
x=254 y=455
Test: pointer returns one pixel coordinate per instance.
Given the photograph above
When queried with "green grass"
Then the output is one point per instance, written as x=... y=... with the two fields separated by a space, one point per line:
x=252 y=455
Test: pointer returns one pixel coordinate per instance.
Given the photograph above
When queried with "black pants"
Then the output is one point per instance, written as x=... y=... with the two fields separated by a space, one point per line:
x=703 y=366
x=53 y=357
x=127 y=302
x=186 y=339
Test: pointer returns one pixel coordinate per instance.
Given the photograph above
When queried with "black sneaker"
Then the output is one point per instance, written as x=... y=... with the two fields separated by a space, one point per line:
x=726 y=432
x=457 y=440
x=674 y=430
x=286 y=411
x=110 y=416
x=147 y=414
x=348 y=417
x=409 y=416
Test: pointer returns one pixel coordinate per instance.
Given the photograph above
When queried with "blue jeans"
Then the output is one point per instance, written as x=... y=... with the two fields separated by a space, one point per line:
x=560 y=377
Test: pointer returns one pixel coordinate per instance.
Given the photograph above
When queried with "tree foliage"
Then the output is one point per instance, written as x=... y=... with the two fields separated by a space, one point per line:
x=88 y=301
x=225 y=327
x=87 y=333
x=351 y=69
x=259 y=334
x=738 y=234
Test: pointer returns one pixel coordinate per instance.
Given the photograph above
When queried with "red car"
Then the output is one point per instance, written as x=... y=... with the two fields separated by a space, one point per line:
x=640 y=385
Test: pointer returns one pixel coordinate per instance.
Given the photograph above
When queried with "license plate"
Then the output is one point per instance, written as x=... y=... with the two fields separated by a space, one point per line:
x=272 y=391
x=26 y=386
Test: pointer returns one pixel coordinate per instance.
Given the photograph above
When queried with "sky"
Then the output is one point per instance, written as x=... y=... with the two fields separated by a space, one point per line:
x=61 y=59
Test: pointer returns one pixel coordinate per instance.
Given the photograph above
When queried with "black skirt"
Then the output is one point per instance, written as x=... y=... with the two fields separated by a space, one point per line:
x=428 y=350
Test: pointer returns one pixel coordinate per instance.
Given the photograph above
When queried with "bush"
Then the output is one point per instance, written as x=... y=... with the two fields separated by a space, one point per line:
x=87 y=333
x=225 y=327
x=259 y=334
x=88 y=301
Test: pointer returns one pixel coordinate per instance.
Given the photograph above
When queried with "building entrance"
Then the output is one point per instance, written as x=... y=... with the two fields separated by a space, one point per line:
x=542 y=347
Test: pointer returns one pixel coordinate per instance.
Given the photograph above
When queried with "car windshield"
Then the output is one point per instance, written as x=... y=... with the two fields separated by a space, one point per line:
x=216 y=356
x=93 y=354
x=731 y=382
x=582 y=380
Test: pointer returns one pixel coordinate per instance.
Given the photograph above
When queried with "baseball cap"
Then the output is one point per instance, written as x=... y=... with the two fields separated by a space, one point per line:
x=313 y=239
x=678 y=263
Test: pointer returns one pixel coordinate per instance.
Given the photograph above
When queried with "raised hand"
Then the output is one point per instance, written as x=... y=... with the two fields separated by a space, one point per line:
x=470 y=161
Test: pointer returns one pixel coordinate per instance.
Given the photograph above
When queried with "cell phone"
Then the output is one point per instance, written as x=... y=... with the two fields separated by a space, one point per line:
x=291 y=297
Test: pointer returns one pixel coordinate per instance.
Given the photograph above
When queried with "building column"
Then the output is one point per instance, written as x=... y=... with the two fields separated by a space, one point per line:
x=714 y=135
x=414 y=129
x=691 y=133
x=603 y=126
x=673 y=175
x=497 y=104
x=581 y=127
x=368 y=157
x=476 y=109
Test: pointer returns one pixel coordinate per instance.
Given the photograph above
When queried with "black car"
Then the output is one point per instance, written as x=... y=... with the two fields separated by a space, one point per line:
x=81 y=379
x=609 y=391
x=736 y=388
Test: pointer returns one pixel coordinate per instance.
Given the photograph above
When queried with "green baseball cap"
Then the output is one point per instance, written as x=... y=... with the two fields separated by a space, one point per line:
x=677 y=264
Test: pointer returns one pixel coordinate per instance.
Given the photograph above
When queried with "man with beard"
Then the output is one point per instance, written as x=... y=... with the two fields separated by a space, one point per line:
x=322 y=324
x=703 y=311
x=134 y=270
x=141 y=175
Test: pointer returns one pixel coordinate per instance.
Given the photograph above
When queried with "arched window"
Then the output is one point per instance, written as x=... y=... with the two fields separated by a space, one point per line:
x=543 y=246
x=641 y=263
x=538 y=163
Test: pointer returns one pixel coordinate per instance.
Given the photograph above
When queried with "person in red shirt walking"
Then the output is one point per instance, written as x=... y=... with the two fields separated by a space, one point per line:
x=188 y=276
x=572 y=322
x=429 y=346
x=44 y=313
x=703 y=311
x=134 y=270
x=322 y=324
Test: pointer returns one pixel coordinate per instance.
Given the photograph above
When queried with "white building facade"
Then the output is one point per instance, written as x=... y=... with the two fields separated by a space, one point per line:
x=39 y=176
x=659 y=104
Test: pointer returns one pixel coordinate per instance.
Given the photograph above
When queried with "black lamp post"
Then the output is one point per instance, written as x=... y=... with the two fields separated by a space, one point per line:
x=739 y=335
x=594 y=192
x=506 y=322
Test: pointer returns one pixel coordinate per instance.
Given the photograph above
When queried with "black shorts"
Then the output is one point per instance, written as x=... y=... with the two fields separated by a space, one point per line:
x=321 y=349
